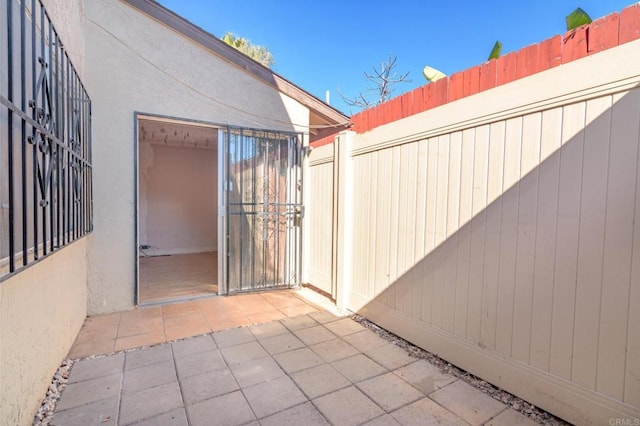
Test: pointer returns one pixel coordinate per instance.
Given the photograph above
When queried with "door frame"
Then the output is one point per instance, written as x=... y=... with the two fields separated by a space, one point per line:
x=137 y=116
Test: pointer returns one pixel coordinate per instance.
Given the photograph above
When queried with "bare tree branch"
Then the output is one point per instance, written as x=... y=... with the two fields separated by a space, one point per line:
x=384 y=81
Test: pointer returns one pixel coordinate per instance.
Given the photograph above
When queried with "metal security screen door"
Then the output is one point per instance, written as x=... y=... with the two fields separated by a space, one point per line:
x=263 y=203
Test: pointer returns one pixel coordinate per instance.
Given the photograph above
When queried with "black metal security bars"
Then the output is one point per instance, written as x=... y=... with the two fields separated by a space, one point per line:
x=264 y=208
x=45 y=140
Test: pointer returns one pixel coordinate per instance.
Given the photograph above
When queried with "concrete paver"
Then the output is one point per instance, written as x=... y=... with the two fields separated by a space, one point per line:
x=297 y=360
x=390 y=391
x=91 y=390
x=229 y=409
x=344 y=327
x=313 y=335
x=390 y=356
x=510 y=418
x=426 y=412
x=91 y=369
x=320 y=380
x=95 y=413
x=270 y=397
x=365 y=340
x=233 y=337
x=348 y=407
x=192 y=346
x=177 y=417
x=384 y=420
x=243 y=352
x=299 y=322
x=269 y=329
x=256 y=371
x=424 y=376
x=358 y=368
x=149 y=402
x=199 y=363
x=281 y=343
x=152 y=355
x=207 y=385
x=333 y=350
x=149 y=376
x=304 y=414
x=467 y=402
x=314 y=369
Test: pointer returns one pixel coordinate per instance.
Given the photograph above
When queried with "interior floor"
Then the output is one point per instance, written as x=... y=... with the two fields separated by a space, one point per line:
x=177 y=277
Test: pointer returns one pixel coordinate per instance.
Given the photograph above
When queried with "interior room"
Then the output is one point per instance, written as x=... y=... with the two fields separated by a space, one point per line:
x=177 y=210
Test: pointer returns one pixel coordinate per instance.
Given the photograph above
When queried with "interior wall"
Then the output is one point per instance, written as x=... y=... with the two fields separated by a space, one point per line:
x=178 y=205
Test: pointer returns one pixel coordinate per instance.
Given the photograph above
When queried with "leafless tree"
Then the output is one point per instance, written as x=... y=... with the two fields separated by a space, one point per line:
x=384 y=80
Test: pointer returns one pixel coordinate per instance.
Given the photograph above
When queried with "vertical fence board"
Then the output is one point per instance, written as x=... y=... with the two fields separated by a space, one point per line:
x=373 y=219
x=632 y=365
x=571 y=153
x=403 y=201
x=394 y=224
x=408 y=294
x=441 y=230
x=591 y=238
x=542 y=303
x=508 y=234
x=618 y=243
x=320 y=213
x=478 y=226
x=432 y=178
x=382 y=222
x=421 y=218
x=464 y=234
x=527 y=212
x=453 y=215
x=492 y=245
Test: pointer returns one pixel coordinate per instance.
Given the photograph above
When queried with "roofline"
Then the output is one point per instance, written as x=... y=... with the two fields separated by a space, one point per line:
x=235 y=57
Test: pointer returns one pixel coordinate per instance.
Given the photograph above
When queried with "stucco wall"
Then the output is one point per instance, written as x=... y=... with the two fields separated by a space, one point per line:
x=41 y=312
x=178 y=199
x=68 y=18
x=134 y=63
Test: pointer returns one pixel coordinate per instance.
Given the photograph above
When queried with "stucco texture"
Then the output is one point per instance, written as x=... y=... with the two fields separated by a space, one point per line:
x=136 y=64
x=67 y=17
x=41 y=312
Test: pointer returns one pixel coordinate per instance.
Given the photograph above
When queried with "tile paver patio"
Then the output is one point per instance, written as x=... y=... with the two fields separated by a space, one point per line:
x=313 y=369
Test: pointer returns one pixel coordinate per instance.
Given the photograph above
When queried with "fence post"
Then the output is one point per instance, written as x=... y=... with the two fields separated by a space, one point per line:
x=343 y=218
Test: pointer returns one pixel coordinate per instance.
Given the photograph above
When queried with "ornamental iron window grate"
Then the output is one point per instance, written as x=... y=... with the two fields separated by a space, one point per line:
x=45 y=140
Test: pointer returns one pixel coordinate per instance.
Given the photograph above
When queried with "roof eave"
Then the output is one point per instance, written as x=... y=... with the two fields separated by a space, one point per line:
x=235 y=57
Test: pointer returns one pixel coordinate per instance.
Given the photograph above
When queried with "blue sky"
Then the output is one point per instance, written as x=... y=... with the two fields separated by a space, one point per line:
x=327 y=45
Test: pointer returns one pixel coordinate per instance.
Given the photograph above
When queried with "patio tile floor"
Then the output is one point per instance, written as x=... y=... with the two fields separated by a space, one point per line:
x=103 y=334
x=314 y=369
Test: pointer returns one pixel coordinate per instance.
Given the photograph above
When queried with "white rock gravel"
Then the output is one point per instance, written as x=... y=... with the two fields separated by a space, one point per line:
x=60 y=378
x=517 y=404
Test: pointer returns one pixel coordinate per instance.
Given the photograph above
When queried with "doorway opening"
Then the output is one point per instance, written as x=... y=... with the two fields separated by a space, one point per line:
x=177 y=210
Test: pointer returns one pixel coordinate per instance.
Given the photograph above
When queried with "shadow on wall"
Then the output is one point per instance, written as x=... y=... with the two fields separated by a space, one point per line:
x=537 y=286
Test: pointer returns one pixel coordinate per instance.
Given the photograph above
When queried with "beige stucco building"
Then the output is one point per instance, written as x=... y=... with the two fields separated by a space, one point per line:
x=145 y=71
x=491 y=217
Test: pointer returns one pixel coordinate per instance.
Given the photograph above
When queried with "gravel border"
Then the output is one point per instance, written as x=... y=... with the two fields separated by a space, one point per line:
x=523 y=407
x=58 y=383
